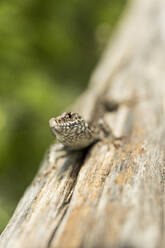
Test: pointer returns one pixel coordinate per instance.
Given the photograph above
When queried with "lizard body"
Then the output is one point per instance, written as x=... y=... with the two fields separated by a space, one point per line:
x=74 y=132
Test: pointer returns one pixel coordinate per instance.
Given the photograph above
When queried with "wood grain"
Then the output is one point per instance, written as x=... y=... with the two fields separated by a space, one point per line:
x=107 y=196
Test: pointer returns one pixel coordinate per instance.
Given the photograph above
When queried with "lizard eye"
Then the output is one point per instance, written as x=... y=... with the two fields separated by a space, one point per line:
x=69 y=115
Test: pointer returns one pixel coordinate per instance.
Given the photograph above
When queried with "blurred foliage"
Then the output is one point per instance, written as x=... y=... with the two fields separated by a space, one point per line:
x=47 y=51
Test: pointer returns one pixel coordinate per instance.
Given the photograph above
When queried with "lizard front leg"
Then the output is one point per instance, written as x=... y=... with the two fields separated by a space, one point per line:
x=107 y=133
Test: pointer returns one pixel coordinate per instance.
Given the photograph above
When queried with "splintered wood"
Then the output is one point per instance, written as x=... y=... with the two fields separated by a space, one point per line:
x=108 y=196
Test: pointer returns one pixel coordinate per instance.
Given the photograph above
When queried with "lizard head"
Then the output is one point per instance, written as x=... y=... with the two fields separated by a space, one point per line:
x=68 y=128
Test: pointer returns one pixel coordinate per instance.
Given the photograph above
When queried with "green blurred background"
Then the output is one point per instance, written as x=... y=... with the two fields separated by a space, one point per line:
x=47 y=52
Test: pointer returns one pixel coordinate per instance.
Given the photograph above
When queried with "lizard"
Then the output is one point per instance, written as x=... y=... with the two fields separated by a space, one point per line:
x=75 y=133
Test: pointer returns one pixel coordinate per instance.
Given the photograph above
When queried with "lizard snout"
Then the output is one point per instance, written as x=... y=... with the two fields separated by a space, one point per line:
x=52 y=122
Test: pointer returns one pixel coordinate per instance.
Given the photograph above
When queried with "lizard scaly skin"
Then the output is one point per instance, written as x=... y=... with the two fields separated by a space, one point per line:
x=74 y=132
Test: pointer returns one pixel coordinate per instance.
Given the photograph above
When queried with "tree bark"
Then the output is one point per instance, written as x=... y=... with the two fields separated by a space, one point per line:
x=108 y=196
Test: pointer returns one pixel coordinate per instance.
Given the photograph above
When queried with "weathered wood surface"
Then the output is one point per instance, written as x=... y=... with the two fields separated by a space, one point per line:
x=108 y=197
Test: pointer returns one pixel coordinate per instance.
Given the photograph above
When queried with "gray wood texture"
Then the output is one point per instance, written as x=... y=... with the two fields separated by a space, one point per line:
x=108 y=196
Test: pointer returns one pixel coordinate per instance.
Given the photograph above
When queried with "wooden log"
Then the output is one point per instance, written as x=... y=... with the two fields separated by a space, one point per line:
x=108 y=196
